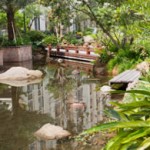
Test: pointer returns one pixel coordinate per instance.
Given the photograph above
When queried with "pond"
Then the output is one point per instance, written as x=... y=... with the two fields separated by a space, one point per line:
x=68 y=96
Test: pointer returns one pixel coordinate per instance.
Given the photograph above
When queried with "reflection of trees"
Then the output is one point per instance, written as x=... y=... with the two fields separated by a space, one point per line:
x=3 y=87
x=17 y=127
x=60 y=84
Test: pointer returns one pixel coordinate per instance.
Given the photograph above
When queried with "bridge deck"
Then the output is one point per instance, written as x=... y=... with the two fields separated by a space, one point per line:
x=125 y=77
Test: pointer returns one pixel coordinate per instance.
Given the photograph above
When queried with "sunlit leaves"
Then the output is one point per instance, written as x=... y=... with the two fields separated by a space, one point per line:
x=132 y=121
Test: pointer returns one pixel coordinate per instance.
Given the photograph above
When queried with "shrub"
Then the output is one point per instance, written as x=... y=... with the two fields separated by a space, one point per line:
x=88 y=31
x=35 y=36
x=131 y=122
x=51 y=39
x=73 y=38
x=17 y=42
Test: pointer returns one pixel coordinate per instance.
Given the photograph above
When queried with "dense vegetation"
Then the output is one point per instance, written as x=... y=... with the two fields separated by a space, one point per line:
x=122 y=26
x=129 y=120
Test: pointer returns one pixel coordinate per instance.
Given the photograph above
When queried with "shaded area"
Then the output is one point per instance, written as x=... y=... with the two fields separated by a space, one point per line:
x=68 y=97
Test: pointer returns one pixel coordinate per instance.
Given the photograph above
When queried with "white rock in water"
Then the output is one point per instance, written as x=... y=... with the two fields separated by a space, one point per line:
x=50 y=132
x=20 y=83
x=106 y=88
x=143 y=67
x=20 y=73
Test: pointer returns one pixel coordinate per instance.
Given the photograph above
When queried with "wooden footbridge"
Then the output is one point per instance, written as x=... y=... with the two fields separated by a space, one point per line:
x=125 y=78
x=73 y=52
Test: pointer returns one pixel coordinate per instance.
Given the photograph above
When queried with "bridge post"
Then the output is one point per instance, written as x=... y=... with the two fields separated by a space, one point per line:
x=67 y=49
x=58 y=48
x=77 y=50
x=88 y=51
x=49 y=50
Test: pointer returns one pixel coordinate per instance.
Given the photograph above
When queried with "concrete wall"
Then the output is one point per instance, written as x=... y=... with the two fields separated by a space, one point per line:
x=17 y=54
x=1 y=57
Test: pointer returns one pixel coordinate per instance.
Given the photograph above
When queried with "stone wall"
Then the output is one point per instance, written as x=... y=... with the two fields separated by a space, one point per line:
x=1 y=57
x=17 y=53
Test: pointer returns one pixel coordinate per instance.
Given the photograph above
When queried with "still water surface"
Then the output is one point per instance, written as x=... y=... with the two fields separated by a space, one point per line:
x=68 y=96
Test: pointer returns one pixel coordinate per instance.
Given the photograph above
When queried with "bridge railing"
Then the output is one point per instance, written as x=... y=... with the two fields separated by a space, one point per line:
x=74 y=51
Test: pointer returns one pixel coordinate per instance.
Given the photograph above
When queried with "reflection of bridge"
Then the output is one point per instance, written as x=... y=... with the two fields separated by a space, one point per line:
x=85 y=66
x=73 y=52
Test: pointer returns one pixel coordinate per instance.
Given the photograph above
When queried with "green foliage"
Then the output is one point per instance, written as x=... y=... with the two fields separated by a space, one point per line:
x=35 y=36
x=2 y=20
x=127 y=58
x=19 y=41
x=132 y=123
x=88 y=31
x=104 y=56
x=10 y=8
x=51 y=39
x=71 y=38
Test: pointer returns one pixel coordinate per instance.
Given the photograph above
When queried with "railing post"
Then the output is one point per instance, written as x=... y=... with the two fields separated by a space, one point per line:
x=77 y=50
x=49 y=50
x=67 y=49
x=88 y=51
x=58 y=48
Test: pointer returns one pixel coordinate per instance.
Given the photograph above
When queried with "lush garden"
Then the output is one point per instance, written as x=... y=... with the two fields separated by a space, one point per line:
x=122 y=27
x=123 y=30
x=129 y=120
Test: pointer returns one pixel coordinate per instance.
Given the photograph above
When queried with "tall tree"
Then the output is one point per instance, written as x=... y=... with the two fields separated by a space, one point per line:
x=113 y=17
x=59 y=15
x=10 y=7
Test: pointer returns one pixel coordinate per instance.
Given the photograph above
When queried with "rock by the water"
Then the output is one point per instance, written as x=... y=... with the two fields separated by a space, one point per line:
x=20 y=83
x=50 y=132
x=143 y=67
x=20 y=73
x=106 y=88
x=88 y=39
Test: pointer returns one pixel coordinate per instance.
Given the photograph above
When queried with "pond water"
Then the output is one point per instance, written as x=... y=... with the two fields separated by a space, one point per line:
x=68 y=96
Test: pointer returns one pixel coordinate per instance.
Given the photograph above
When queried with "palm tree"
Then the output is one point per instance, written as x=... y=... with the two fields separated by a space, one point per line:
x=10 y=7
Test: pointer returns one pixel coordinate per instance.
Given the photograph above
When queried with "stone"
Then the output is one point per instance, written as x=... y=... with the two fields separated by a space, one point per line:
x=50 y=132
x=20 y=73
x=20 y=83
x=1 y=57
x=143 y=67
x=106 y=88
x=17 y=53
x=88 y=39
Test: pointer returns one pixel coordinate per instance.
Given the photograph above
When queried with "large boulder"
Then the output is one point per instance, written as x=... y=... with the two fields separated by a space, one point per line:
x=20 y=73
x=20 y=83
x=50 y=132
x=143 y=67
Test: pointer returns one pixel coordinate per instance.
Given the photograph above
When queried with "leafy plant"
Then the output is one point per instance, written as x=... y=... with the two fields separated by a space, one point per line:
x=132 y=123
x=35 y=36
x=17 y=42
x=51 y=39
x=73 y=38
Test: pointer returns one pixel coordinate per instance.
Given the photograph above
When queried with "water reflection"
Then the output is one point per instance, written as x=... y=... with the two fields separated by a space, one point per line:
x=17 y=125
x=66 y=97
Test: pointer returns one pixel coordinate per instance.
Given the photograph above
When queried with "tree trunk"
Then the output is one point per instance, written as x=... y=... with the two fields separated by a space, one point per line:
x=15 y=91
x=10 y=24
x=30 y=24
